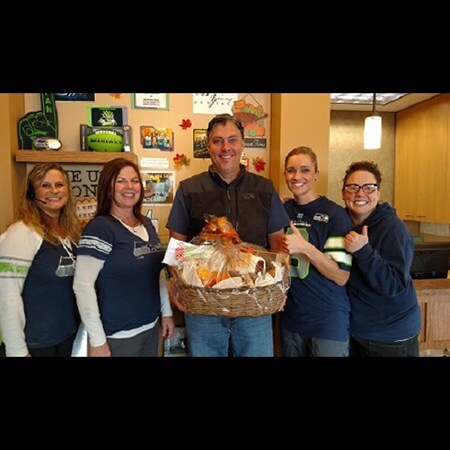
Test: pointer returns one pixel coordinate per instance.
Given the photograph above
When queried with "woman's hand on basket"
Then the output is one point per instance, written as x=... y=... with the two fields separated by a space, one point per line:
x=173 y=293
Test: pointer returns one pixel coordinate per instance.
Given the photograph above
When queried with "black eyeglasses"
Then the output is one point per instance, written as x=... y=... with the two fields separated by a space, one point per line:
x=368 y=188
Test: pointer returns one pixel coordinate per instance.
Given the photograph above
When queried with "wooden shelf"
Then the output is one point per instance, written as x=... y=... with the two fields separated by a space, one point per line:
x=75 y=157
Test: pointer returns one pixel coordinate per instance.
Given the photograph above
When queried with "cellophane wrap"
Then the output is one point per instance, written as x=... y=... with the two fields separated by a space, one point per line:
x=226 y=272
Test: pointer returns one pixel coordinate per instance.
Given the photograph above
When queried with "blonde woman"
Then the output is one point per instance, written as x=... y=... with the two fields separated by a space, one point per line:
x=38 y=313
x=315 y=321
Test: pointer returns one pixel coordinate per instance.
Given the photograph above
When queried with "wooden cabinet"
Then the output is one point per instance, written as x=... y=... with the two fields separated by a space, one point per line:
x=434 y=300
x=422 y=150
x=406 y=136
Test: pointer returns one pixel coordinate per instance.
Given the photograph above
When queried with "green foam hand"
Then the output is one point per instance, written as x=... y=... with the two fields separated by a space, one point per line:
x=38 y=123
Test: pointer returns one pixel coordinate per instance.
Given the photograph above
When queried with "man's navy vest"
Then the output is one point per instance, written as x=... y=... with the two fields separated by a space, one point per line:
x=245 y=202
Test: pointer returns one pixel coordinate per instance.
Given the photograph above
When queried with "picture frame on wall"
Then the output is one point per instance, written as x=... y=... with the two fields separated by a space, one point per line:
x=199 y=143
x=75 y=97
x=151 y=101
x=156 y=138
x=107 y=116
x=158 y=187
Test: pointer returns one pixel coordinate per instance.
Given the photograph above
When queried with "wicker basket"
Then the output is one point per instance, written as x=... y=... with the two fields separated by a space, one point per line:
x=236 y=302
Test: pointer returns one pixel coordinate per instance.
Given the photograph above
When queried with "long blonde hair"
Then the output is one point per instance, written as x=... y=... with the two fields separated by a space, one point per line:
x=32 y=215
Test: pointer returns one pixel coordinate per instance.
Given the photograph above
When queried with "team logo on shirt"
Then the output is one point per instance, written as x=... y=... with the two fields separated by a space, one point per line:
x=66 y=267
x=299 y=222
x=145 y=248
x=321 y=217
x=248 y=196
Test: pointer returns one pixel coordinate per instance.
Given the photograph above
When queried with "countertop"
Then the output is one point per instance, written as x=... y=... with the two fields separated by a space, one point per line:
x=432 y=284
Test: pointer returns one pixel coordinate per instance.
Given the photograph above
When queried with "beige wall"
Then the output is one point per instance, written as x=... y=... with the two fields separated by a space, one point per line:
x=295 y=119
x=346 y=146
x=72 y=114
x=299 y=120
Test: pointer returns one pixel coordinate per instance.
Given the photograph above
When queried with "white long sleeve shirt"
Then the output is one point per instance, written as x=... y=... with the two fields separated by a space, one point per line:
x=18 y=247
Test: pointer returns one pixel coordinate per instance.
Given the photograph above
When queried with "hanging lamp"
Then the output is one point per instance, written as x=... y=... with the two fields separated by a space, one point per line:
x=372 y=129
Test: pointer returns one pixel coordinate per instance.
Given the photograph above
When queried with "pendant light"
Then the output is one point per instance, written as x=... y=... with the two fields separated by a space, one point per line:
x=372 y=129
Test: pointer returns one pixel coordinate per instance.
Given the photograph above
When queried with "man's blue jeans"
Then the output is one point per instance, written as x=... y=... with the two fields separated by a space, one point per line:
x=221 y=336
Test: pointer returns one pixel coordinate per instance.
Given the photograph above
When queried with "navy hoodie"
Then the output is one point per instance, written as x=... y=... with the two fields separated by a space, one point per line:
x=384 y=304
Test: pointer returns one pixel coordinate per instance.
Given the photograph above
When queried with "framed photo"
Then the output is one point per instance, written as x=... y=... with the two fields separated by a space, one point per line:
x=75 y=97
x=199 y=141
x=158 y=187
x=151 y=101
x=107 y=116
x=157 y=138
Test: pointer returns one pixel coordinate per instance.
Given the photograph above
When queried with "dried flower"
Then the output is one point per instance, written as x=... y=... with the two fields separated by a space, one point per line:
x=185 y=124
x=258 y=163
x=181 y=160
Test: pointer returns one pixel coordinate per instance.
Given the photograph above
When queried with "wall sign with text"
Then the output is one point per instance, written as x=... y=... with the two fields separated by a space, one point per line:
x=213 y=103
x=151 y=101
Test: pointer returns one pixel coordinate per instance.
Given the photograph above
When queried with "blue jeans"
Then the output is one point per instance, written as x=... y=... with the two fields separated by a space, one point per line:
x=220 y=336
x=296 y=345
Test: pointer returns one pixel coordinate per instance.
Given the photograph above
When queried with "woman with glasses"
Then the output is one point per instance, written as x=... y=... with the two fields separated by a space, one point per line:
x=385 y=315
x=316 y=318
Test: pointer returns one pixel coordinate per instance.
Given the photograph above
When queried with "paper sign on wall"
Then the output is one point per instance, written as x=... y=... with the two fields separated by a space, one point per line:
x=155 y=163
x=213 y=103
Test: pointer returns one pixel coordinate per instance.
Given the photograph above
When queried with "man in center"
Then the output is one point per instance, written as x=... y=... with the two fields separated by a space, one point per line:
x=251 y=204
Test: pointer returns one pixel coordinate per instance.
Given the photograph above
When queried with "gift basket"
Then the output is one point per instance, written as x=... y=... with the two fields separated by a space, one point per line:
x=219 y=274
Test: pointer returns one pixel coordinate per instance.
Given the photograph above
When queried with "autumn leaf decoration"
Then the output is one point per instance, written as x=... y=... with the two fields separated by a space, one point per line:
x=185 y=124
x=181 y=160
x=258 y=163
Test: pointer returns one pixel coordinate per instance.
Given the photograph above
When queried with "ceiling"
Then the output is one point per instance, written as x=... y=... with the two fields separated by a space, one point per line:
x=402 y=103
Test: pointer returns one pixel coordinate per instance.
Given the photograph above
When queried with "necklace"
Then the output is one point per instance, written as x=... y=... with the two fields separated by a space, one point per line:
x=67 y=246
x=134 y=226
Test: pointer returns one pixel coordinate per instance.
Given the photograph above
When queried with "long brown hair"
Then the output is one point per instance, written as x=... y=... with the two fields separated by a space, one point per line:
x=32 y=215
x=106 y=187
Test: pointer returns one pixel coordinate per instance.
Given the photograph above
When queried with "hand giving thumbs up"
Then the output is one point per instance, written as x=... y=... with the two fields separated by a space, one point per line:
x=294 y=242
x=355 y=241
